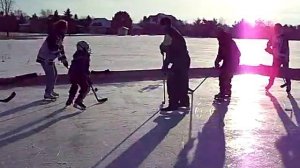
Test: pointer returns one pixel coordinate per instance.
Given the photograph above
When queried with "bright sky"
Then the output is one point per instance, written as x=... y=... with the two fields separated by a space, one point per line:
x=284 y=11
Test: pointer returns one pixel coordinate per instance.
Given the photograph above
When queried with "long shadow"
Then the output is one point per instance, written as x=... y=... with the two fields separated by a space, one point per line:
x=126 y=138
x=140 y=150
x=24 y=107
x=288 y=145
x=33 y=127
x=210 y=150
x=295 y=107
x=30 y=124
x=149 y=88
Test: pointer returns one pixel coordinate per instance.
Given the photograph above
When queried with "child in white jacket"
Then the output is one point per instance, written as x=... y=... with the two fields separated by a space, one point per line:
x=51 y=49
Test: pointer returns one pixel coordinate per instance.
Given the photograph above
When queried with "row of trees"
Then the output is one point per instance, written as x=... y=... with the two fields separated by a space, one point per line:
x=208 y=28
x=47 y=18
x=7 y=22
x=10 y=21
x=241 y=29
x=41 y=24
x=120 y=19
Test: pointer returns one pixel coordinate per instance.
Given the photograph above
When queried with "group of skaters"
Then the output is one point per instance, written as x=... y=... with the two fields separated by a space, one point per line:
x=175 y=53
x=174 y=47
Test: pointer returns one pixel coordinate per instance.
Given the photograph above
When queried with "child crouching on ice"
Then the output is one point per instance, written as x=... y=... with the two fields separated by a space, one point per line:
x=79 y=75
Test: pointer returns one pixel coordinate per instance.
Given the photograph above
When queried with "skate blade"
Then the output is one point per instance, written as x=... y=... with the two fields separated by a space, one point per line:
x=103 y=100
x=78 y=107
x=49 y=99
x=66 y=106
x=220 y=100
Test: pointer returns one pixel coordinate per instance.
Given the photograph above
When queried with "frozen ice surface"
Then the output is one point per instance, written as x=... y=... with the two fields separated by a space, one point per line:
x=254 y=130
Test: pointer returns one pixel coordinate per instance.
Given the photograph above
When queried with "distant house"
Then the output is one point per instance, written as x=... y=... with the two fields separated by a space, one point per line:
x=39 y=25
x=45 y=24
x=25 y=28
x=151 y=25
x=36 y=25
x=100 y=26
x=155 y=19
x=123 y=31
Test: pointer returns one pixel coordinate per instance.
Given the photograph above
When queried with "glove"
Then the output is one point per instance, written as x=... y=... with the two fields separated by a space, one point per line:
x=61 y=56
x=164 y=69
x=89 y=81
x=163 y=49
x=269 y=50
x=66 y=64
x=217 y=65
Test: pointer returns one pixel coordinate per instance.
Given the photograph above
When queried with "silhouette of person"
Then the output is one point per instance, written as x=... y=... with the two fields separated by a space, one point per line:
x=177 y=54
x=229 y=54
x=278 y=46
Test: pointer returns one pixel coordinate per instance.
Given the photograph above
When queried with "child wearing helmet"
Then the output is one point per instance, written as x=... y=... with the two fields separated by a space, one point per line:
x=79 y=75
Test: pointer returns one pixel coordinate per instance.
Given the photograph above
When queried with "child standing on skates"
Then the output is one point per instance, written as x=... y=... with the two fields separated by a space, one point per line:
x=51 y=49
x=79 y=75
x=229 y=54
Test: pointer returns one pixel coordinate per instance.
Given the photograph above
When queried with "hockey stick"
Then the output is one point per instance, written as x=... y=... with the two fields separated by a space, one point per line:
x=284 y=84
x=284 y=80
x=9 y=98
x=164 y=83
x=99 y=100
x=193 y=90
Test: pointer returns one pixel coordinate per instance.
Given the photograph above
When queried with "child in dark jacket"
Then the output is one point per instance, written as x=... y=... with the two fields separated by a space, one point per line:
x=79 y=75
x=229 y=54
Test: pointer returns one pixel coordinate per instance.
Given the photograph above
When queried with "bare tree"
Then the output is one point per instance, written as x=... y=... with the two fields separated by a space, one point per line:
x=19 y=12
x=6 y=6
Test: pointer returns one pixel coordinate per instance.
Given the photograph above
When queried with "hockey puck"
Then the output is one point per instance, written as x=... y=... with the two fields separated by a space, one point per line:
x=284 y=85
x=288 y=109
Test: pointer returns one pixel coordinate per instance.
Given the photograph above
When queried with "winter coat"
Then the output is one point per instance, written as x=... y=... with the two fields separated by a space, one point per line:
x=80 y=65
x=51 y=49
x=174 y=46
x=229 y=53
x=279 y=47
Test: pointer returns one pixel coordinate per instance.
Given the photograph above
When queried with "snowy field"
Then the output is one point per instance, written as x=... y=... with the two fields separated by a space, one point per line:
x=17 y=57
